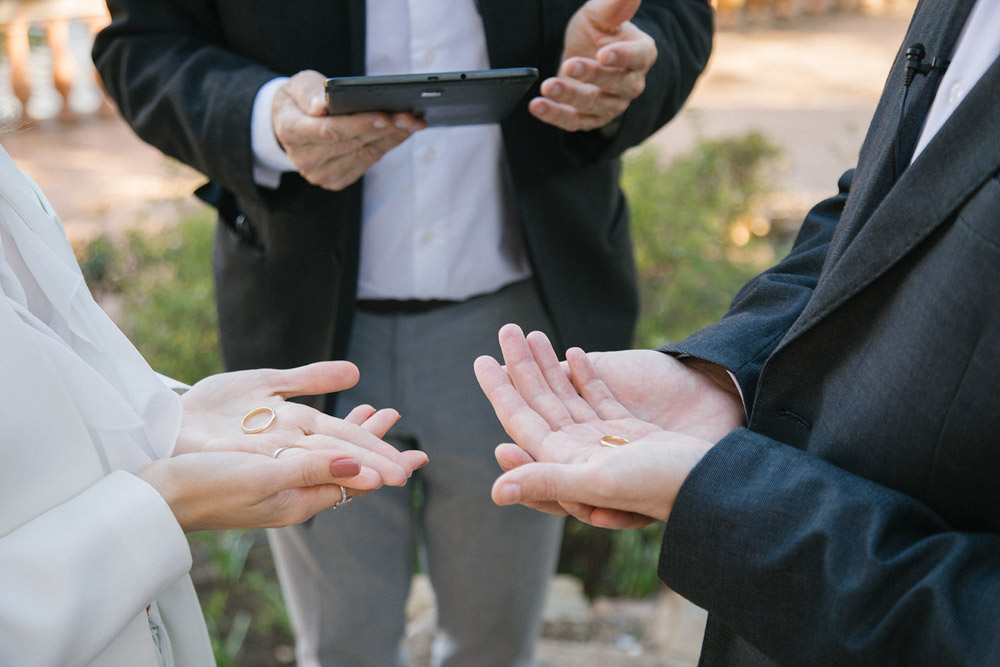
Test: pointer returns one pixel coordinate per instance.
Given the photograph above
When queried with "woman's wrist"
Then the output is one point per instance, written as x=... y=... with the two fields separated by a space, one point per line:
x=159 y=475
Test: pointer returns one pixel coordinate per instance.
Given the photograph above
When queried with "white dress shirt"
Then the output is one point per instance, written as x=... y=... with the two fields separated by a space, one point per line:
x=978 y=46
x=439 y=220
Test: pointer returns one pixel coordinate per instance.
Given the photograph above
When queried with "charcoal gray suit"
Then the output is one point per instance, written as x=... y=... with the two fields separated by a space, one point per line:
x=856 y=520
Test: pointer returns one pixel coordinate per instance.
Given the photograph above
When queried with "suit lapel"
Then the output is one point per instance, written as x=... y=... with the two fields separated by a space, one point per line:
x=936 y=24
x=960 y=158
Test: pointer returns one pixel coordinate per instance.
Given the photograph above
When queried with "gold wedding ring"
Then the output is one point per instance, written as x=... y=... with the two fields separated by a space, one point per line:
x=260 y=428
x=613 y=441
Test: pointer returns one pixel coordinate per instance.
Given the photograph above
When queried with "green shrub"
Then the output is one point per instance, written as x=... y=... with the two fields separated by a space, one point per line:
x=696 y=234
x=159 y=287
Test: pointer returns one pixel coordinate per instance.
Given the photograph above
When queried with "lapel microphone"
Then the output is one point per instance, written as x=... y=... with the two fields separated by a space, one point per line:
x=915 y=65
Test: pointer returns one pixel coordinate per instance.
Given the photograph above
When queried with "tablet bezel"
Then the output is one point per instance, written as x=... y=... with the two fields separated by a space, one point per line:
x=469 y=97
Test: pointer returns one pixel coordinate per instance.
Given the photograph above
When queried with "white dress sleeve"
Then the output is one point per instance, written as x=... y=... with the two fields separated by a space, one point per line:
x=76 y=575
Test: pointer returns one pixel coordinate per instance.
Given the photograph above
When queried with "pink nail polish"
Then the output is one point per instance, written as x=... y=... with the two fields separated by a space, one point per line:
x=342 y=468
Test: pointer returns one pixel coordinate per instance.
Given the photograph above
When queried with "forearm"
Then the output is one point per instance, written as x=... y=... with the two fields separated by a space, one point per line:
x=77 y=574
x=857 y=570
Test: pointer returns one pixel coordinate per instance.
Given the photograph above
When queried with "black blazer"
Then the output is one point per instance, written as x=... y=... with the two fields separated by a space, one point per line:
x=857 y=519
x=185 y=74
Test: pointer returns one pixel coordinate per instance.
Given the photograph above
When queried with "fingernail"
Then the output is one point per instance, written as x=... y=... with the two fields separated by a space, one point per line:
x=344 y=468
x=380 y=124
x=578 y=70
x=557 y=90
x=611 y=59
x=402 y=124
x=510 y=494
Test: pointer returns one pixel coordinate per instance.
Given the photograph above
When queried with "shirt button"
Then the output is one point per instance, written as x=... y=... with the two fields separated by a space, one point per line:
x=427 y=237
x=430 y=155
x=955 y=94
x=428 y=57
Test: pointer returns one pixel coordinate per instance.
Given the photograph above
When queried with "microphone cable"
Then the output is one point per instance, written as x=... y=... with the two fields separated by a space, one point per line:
x=915 y=64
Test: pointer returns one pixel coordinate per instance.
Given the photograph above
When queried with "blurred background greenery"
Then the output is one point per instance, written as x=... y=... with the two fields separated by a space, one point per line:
x=698 y=234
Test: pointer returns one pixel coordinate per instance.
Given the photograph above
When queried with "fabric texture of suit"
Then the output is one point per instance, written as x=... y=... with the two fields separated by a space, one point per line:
x=185 y=75
x=856 y=520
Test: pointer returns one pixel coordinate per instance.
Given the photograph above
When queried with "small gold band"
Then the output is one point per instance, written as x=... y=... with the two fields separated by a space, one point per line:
x=613 y=441
x=253 y=413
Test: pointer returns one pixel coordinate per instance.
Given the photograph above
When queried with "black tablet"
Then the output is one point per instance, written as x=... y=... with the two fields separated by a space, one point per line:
x=441 y=98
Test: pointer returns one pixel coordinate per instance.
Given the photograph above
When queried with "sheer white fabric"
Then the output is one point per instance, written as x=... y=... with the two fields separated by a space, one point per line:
x=130 y=412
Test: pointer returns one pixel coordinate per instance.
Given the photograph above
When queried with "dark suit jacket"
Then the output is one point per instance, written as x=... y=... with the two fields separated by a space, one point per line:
x=857 y=519
x=185 y=73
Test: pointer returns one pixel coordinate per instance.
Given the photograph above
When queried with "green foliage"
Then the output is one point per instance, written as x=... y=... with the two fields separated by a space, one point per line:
x=686 y=220
x=160 y=287
x=98 y=261
x=239 y=594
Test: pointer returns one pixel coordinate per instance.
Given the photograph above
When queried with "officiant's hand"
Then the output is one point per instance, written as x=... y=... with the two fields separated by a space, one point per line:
x=332 y=152
x=604 y=65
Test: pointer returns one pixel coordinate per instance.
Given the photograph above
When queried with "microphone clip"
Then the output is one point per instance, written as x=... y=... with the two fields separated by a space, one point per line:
x=915 y=64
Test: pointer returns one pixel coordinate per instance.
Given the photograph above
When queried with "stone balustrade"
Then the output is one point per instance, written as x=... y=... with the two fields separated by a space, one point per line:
x=49 y=30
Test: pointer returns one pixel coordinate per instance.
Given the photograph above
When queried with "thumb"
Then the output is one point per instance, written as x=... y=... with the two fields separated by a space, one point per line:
x=322 y=377
x=541 y=482
x=307 y=90
x=607 y=15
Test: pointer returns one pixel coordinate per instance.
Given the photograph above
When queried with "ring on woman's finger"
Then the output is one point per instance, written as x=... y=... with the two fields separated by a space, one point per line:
x=260 y=426
x=613 y=441
x=344 y=498
x=278 y=451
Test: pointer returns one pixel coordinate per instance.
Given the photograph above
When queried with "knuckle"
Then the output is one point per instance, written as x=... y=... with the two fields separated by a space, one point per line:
x=636 y=86
x=590 y=99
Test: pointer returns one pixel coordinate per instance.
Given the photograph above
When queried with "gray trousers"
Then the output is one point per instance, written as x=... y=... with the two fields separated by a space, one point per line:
x=346 y=575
